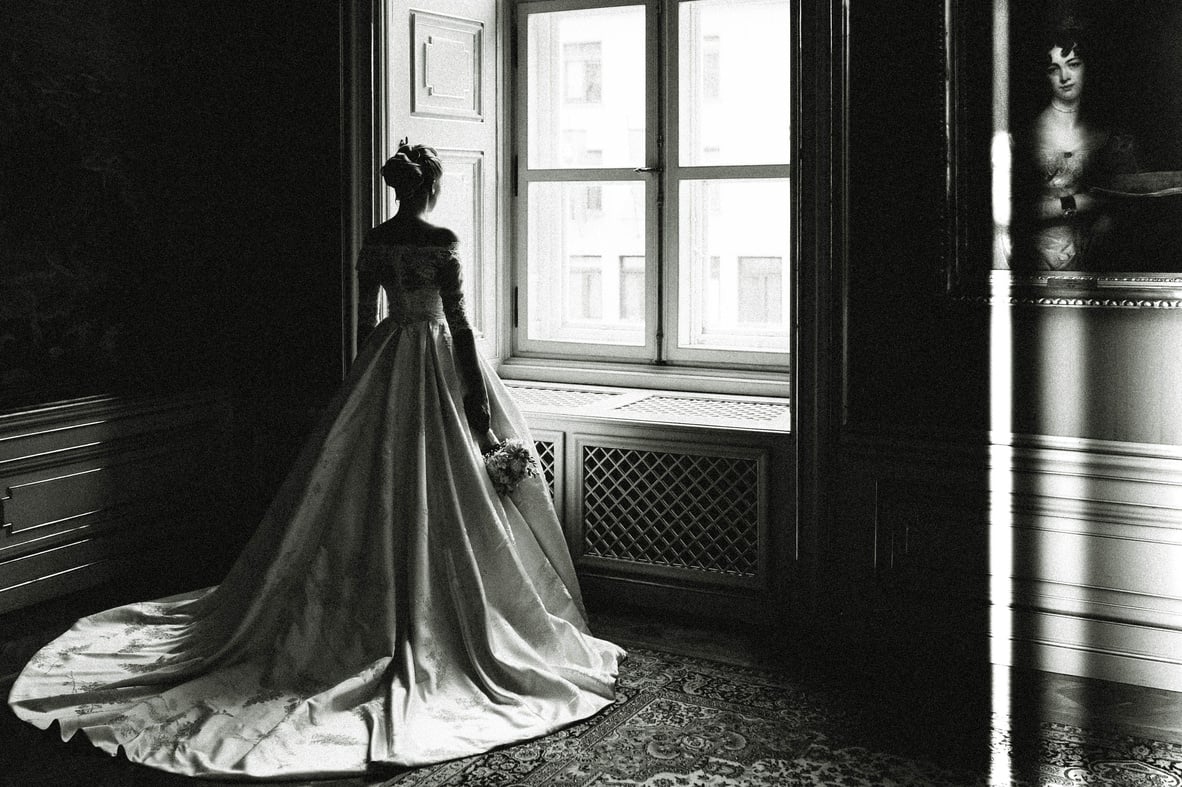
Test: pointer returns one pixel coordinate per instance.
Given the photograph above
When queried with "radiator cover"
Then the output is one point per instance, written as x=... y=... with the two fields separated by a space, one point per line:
x=668 y=496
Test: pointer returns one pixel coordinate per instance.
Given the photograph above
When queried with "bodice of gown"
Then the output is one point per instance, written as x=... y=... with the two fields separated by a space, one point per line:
x=1042 y=168
x=421 y=282
x=1065 y=169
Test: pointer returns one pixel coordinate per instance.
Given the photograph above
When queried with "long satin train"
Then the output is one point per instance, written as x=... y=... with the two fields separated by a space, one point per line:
x=390 y=608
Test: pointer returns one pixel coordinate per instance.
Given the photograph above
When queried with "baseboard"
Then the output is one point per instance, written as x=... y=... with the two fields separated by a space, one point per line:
x=1108 y=650
x=706 y=604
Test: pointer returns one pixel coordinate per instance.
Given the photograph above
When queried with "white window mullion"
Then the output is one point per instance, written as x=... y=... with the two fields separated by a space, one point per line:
x=573 y=175
x=670 y=179
x=656 y=147
x=735 y=171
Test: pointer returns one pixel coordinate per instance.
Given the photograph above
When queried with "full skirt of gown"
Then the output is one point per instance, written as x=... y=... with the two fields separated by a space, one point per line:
x=390 y=608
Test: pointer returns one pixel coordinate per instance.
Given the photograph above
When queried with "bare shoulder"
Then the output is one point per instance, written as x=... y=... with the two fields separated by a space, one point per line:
x=386 y=232
x=410 y=232
x=442 y=236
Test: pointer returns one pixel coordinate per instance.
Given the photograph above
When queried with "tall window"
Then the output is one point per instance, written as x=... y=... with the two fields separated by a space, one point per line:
x=655 y=133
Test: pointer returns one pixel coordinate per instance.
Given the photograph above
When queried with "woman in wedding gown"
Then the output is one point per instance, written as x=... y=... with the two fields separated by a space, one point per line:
x=391 y=608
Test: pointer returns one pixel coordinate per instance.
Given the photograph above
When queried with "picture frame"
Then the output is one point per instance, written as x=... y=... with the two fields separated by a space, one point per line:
x=1064 y=159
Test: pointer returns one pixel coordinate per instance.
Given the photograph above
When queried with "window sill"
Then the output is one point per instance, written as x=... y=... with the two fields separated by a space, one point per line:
x=732 y=382
x=662 y=408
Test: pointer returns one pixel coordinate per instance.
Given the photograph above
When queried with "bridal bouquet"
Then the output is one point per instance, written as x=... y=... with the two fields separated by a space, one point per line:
x=508 y=463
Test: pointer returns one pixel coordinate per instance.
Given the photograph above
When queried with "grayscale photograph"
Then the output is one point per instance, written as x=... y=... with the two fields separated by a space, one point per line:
x=591 y=393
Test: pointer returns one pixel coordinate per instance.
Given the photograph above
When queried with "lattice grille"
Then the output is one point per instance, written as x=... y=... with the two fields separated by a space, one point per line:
x=680 y=510
x=546 y=457
x=692 y=407
x=556 y=397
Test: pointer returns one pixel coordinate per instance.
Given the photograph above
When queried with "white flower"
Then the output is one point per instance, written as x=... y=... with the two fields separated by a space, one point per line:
x=508 y=464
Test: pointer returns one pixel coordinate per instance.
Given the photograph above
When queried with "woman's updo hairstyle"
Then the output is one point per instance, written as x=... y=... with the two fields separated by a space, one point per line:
x=413 y=170
x=1065 y=28
x=1068 y=38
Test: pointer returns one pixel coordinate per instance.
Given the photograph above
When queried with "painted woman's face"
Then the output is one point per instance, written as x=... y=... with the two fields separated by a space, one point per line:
x=1066 y=74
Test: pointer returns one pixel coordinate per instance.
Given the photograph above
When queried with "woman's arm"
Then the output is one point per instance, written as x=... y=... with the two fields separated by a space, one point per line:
x=464 y=350
x=475 y=394
x=368 y=290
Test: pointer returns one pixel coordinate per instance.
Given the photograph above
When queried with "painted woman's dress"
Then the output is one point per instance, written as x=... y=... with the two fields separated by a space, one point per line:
x=1065 y=242
x=390 y=608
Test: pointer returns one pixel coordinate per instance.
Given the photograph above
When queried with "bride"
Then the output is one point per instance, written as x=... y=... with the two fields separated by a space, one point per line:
x=391 y=608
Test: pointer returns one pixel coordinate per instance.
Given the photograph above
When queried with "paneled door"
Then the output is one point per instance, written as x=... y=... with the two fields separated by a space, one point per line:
x=440 y=89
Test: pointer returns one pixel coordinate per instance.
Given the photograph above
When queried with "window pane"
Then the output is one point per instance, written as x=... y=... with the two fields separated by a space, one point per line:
x=586 y=88
x=734 y=264
x=586 y=262
x=734 y=81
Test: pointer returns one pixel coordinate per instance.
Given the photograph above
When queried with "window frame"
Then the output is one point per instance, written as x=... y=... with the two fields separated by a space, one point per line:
x=659 y=360
x=522 y=176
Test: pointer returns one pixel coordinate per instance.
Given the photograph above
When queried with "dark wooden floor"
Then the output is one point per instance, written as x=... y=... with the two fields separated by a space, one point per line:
x=923 y=703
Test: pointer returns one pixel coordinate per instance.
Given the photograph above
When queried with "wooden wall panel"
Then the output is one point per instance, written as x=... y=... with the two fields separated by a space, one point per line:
x=1085 y=538
x=89 y=487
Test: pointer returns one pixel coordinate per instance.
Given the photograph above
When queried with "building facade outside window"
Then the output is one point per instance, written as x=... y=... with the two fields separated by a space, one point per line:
x=583 y=69
x=760 y=290
x=585 y=293
x=631 y=288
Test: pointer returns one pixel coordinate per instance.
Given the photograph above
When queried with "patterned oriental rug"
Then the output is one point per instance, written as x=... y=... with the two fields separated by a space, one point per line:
x=687 y=722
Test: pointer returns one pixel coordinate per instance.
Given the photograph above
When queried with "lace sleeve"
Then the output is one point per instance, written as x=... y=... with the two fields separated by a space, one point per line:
x=451 y=291
x=369 y=258
x=368 y=291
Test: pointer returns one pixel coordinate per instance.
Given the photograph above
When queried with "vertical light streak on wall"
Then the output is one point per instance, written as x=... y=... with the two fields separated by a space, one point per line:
x=1001 y=396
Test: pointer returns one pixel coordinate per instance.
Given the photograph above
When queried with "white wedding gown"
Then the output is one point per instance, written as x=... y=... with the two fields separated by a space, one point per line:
x=391 y=608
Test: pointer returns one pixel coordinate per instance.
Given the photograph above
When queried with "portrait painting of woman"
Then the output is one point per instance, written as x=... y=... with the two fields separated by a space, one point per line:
x=1095 y=155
